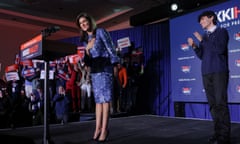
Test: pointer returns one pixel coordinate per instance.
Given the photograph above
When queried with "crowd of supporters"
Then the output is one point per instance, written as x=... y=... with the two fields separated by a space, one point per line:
x=69 y=85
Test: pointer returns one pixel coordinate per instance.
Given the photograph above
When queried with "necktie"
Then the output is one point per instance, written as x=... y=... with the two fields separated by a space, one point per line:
x=208 y=33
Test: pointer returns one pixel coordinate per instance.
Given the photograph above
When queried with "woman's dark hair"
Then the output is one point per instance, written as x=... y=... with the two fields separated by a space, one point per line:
x=92 y=24
x=209 y=14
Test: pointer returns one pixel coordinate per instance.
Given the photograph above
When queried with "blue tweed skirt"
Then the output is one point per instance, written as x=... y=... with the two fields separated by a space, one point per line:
x=102 y=84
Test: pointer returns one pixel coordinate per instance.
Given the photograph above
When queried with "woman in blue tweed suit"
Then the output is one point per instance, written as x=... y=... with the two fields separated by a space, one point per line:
x=102 y=57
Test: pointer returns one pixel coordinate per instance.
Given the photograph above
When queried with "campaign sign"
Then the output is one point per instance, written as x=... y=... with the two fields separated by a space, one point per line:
x=41 y=48
x=31 y=48
x=80 y=51
x=123 y=42
x=11 y=68
x=10 y=76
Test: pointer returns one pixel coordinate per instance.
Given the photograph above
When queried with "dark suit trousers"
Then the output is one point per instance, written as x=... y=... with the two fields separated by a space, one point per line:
x=216 y=85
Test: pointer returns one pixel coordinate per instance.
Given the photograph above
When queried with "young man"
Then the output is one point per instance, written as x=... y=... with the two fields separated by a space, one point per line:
x=212 y=50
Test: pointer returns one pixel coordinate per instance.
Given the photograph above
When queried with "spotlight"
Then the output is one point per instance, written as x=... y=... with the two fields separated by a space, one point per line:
x=174 y=7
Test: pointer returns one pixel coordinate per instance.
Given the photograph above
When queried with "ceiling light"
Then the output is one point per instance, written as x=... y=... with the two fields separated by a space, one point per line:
x=174 y=7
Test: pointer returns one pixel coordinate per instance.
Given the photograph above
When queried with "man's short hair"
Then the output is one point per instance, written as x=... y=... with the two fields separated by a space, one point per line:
x=208 y=14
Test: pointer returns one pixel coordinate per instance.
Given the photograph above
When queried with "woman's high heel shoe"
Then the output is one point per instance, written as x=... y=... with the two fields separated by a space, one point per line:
x=97 y=137
x=106 y=138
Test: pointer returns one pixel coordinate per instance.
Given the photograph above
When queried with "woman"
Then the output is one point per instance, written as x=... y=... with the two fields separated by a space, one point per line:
x=102 y=60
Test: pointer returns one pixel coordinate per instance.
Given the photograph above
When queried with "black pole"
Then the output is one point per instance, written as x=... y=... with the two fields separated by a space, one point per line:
x=46 y=133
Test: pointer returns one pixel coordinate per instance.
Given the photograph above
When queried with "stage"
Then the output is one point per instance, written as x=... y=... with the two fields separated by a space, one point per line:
x=141 y=129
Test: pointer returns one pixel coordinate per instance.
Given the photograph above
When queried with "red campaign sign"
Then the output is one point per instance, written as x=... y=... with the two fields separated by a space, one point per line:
x=11 y=68
x=27 y=63
x=80 y=51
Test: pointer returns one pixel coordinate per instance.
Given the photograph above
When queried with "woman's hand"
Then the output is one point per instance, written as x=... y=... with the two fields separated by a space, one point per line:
x=90 y=45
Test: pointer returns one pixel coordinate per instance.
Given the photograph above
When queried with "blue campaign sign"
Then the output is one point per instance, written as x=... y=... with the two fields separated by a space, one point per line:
x=186 y=67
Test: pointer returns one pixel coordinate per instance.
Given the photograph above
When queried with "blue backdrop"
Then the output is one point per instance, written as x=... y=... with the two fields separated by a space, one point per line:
x=185 y=66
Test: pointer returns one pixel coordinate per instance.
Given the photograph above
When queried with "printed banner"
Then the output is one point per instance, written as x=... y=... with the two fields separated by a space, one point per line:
x=123 y=42
x=31 y=48
x=186 y=67
x=10 y=76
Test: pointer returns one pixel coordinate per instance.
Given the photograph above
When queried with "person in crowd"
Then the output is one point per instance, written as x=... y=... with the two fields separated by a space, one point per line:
x=28 y=74
x=37 y=65
x=5 y=109
x=14 y=87
x=61 y=74
x=37 y=109
x=123 y=79
x=101 y=52
x=212 y=50
x=114 y=105
x=135 y=77
x=52 y=81
x=71 y=87
x=14 y=90
x=85 y=86
x=23 y=116
x=62 y=103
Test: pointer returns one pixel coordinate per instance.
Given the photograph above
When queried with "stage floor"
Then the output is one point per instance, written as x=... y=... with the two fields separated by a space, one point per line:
x=142 y=129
